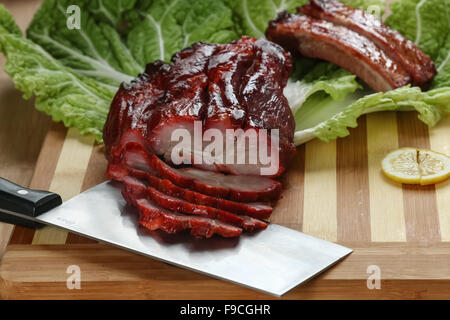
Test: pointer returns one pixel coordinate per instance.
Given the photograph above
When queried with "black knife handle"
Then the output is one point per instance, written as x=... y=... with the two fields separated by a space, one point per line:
x=26 y=202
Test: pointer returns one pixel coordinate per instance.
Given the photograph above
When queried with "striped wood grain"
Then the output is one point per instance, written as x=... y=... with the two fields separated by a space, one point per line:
x=387 y=220
x=353 y=218
x=308 y=203
x=288 y=211
x=421 y=212
x=67 y=180
x=440 y=141
x=6 y=231
x=320 y=201
x=95 y=174
x=43 y=174
x=334 y=191
x=37 y=272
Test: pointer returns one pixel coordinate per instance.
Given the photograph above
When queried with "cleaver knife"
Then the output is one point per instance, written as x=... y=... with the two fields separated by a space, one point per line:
x=274 y=260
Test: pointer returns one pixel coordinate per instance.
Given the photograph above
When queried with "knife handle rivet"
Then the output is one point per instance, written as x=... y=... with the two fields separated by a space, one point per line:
x=22 y=192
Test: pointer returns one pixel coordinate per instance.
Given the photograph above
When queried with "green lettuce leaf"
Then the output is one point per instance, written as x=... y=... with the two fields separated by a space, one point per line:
x=326 y=77
x=254 y=15
x=7 y=23
x=322 y=117
x=95 y=50
x=427 y=23
x=67 y=96
x=166 y=27
x=102 y=49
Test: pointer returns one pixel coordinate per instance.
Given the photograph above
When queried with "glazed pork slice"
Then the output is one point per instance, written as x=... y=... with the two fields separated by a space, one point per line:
x=255 y=71
x=225 y=109
x=181 y=206
x=324 y=40
x=267 y=107
x=403 y=51
x=246 y=96
x=254 y=210
x=185 y=98
x=225 y=71
x=133 y=189
x=137 y=189
x=133 y=106
x=232 y=187
x=153 y=217
x=162 y=99
x=211 y=85
x=237 y=86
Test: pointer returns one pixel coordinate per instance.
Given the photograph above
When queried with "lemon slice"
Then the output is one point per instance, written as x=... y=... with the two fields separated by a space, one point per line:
x=416 y=166
x=434 y=167
x=402 y=166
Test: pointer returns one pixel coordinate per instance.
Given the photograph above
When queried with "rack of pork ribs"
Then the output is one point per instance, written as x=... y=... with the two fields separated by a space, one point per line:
x=354 y=40
x=224 y=86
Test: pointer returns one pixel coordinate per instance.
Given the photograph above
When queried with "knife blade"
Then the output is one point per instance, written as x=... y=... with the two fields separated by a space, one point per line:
x=273 y=261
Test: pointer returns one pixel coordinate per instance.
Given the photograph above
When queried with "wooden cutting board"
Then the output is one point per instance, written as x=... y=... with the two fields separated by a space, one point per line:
x=334 y=191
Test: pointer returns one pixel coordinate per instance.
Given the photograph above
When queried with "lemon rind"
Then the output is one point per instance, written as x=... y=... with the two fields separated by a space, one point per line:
x=416 y=179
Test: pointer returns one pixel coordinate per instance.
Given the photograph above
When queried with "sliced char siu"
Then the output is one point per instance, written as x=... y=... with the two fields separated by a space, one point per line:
x=233 y=187
x=263 y=95
x=221 y=86
x=254 y=210
x=153 y=217
x=205 y=84
x=324 y=40
x=225 y=109
x=246 y=95
x=135 y=189
x=263 y=88
x=133 y=106
x=225 y=71
x=178 y=205
x=185 y=99
x=396 y=46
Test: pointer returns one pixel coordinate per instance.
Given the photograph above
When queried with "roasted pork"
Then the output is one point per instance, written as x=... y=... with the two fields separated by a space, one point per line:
x=321 y=39
x=120 y=172
x=401 y=50
x=236 y=86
